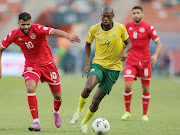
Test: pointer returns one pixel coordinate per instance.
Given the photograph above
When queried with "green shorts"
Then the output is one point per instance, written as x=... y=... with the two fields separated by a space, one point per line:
x=107 y=78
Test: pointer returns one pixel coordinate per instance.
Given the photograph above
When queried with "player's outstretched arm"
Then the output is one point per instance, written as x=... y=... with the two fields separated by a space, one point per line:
x=87 y=56
x=60 y=33
x=125 y=50
x=1 y=49
x=155 y=55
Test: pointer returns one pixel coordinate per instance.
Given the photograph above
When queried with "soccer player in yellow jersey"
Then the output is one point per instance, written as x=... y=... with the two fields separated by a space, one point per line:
x=106 y=64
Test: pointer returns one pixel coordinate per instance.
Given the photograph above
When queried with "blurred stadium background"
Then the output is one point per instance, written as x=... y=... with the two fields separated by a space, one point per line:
x=76 y=17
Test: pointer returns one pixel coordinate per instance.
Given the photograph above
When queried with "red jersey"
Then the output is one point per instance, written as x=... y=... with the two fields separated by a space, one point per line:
x=33 y=45
x=140 y=35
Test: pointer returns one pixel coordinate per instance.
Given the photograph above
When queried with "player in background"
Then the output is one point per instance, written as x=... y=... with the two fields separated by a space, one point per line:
x=138 y=62
x=39 y=64
x=106 y=64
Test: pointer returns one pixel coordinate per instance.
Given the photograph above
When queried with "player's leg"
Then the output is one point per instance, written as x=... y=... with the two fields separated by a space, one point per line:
x=31 y=80
x=130 y=73
x=127 y=98
x=92 y=81
x=99 y=95
x=145 y=98
x=109 y=79
x=56 y=91
x=51 y=76
x=145 y=74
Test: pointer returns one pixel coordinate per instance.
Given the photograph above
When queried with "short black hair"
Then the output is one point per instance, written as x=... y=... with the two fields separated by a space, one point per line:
x=24 y=16
x=137 y=7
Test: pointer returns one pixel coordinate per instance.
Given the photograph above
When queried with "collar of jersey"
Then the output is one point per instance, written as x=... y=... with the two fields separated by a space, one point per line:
x=108 y=29
x=139 y=23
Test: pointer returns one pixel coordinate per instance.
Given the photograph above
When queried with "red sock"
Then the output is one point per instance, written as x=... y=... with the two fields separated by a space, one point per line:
x=33 y=106
x=57 y=104
x=127 y=99
x=145 y=99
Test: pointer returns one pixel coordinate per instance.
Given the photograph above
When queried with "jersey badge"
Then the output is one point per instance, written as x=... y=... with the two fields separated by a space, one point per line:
x=130 y=28
x=154 y=33
x=89 y=34
x=99 y=37
x=45 y=28
x=128 y=71
x=126 y=34
x=152 y=27
x=114 y=35
x=39 y=26
x=141 y=29
x=33 y=36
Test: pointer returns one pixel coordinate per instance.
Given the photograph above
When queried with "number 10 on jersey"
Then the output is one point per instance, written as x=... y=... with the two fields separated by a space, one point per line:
x=29 y=45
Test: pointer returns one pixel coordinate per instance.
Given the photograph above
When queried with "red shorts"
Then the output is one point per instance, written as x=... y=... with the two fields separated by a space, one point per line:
x=47 y=74
x=137 y=69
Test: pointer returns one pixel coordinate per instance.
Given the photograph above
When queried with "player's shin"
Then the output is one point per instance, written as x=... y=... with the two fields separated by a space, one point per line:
x=145 y=100
x=82 y=102
x=57 y=104
x=88 y=116
x=33 y=106
x=127 y=99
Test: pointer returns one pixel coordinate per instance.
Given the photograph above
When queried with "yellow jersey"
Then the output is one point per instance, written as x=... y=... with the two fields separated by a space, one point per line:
x=109 y=44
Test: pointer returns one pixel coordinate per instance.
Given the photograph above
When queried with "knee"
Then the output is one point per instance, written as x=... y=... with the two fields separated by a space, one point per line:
x=31 y=89
x=145 y=88
x=128 y=86
x=57 y=95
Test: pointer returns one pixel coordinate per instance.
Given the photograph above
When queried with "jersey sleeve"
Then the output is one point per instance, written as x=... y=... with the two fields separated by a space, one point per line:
x=43 y=30
x=124 y=33
x=90 y=35
x=7 y=40
x=153 y=33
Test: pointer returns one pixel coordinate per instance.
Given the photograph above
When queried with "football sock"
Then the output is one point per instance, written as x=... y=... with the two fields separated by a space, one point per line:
x=127 y=99
x=33 y=105
x=57 y=104
x=82 y=102
x=88 y=116
x=145 y=99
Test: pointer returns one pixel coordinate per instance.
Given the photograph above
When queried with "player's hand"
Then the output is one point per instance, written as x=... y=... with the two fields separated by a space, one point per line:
x=123 y=56
x=74 y=38
x=86 y=70
x=154 y=60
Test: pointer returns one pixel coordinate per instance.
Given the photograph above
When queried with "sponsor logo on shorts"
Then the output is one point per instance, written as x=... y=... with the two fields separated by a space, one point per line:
x=29 y=68
x=27 y=77
x=92 y=70
x=128 y=71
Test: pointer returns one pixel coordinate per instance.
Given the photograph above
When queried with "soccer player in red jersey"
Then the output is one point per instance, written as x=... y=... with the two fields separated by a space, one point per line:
x=39 y=64
x=138 y=62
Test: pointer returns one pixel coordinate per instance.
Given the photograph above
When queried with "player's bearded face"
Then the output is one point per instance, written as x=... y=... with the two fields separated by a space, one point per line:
x=107 y=18
x=25 y=26
x=137 y=15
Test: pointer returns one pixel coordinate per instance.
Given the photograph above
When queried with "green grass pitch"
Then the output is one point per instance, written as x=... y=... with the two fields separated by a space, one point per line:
x=164 y=108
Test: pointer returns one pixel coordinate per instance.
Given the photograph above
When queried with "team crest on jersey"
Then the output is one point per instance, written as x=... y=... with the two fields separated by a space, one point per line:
x=29 y=68
x=130 y=28
x=128 y=71
x=99 y=37
x=141 y=29
x=33 y=36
